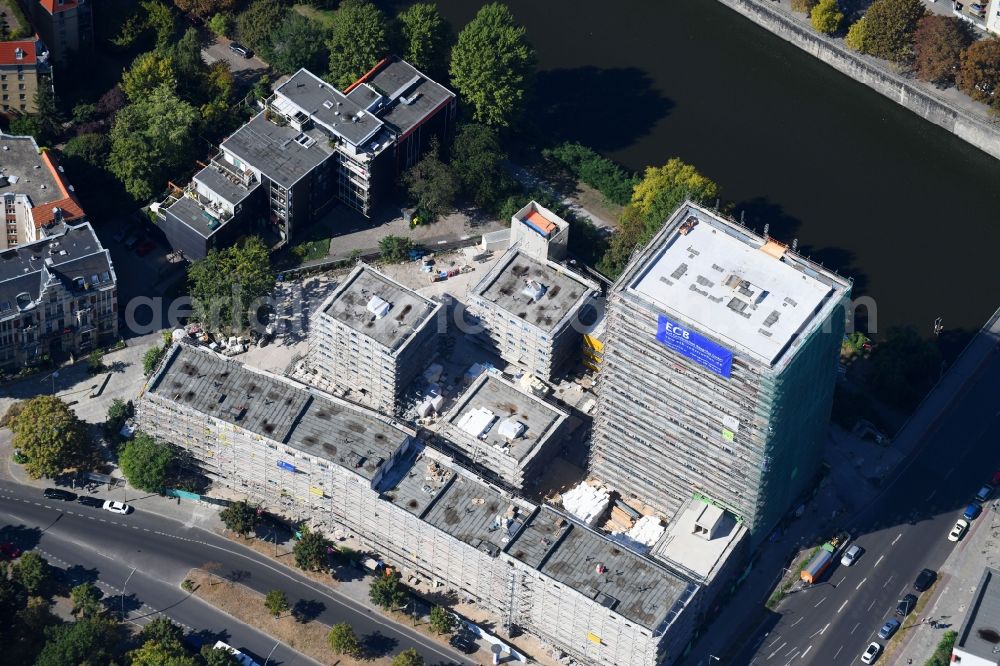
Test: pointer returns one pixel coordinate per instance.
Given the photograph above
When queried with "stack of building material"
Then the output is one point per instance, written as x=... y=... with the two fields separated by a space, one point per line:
x=620 y=521
x=642 y=536
x=586 y=502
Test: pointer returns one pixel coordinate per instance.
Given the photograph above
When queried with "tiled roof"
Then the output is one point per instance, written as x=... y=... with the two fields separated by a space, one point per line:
x=68 y=204
x=54 y=6
x=8 y=52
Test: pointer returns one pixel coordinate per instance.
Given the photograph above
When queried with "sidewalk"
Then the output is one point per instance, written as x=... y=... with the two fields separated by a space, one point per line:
x=955 y=587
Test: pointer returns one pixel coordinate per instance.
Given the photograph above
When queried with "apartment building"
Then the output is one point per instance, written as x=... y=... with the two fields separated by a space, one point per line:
x=24 y=69
x=66 y=26
x=373 y=336
x=539 y=232
x=58 y=296
x=717 y=371
x=352 y=472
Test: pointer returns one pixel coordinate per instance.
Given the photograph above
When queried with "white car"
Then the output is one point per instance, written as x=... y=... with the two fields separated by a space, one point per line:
x=116 y=507
x=958 y=530
x=240 y=657
x=872 y=653
x=851 y=556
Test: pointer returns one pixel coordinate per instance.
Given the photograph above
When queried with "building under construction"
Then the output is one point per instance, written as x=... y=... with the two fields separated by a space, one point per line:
x=372 y=336
x=344 y=468
x=717 y=370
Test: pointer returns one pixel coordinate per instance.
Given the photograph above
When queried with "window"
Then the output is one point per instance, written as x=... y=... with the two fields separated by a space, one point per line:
x=20 y=86
x=22 y=96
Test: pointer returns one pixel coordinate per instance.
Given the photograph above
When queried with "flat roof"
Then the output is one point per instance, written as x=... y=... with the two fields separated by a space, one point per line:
x=619 y=579
x=516 y=272
x=503 y=401
x=330 y=107
x=226 y=186
x=743 y=290
x=340 y=432
x=195 y=216
x=980 y=629
x=682 y=548
x=412 y=96
x=273 y=149
x=408 y=311
x=21 y=161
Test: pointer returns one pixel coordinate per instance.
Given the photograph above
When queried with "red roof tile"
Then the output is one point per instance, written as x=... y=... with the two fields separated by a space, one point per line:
x=53 y=6
x=69 y=205
x=8 y=52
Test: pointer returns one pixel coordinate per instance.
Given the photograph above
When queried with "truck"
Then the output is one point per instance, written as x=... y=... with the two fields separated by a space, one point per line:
x=821 y=560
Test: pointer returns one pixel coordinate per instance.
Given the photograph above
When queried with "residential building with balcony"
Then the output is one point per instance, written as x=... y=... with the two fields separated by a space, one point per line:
x=24 y=69
x=66 y=26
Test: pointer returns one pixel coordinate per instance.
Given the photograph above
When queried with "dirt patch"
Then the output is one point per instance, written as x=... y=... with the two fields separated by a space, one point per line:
x=594 y=201
x=247 y=606
x=284 y=556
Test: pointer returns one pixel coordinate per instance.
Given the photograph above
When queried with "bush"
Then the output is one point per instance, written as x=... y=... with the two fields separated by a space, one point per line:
x=595 y=170
x=394 y=249
x=826 y=17
x=151 y=359
x=276 y=602
x=942 y=654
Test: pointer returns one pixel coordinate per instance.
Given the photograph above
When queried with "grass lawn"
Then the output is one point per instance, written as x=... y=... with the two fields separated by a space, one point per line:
x=322 y=16
x=311 y=250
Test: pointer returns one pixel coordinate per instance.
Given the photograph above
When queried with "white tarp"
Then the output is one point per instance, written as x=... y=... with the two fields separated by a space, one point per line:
x=378 y=307
x=586 y=502
x=511 y=429
x=642 y=536
x=477 y=422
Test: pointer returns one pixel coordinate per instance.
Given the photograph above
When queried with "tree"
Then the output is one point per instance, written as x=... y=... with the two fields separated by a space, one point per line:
x=979 y=74
x=112 y=101
x=151 y=139
x=804 y=6
x=477 y=159
x=31 y=571
x=276 y=602
x=151 y=359
x=88 y=641
x=888 y=29
x=226 y=283
x=425 y=38
x=119 y=411
x=146 y=462
x=297 y=42
x=359 y=39
x=387 y=592
x=86 y=599
x=218 y=657
x=442 y=621
x=394 y=249
x=221 y=25
x=240 y=517
x=48 y=116
x=310 y=551
x=160 y=19
x=343 y=641
x=855 y=38
x=91 y=148
x=826 y=17
x=161 y=629
x=903 y=368
x=431 y=183
x=255 y=25
x=51 y=436
x=205 y=8
x=162 y=653
x=148 y=72
x=408 y=657
x=189 y=67
x=491 y=65
x=938 y=44
x=594 y=169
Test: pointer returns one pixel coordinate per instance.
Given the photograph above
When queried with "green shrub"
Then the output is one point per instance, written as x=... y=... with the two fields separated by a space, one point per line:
x=595 y=170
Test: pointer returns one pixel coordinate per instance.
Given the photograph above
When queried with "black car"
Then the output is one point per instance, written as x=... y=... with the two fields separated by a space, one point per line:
x=87 y=500
x=924 y=580
x=56 y=493
x=239 y=49
x=906 y=605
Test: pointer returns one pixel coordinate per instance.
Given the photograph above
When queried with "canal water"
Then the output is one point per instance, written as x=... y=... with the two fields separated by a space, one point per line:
x=906 y=209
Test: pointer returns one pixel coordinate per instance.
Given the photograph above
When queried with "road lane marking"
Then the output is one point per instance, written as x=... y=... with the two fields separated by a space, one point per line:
x=842 y=605
x=840 y=581
x=857 y=625
x=896 y=539
x=807 y=651
x=789 y=662
x=797 y=621
x=823 y=630
x=929 y=497
x=948 y=473
x=778 y=650
x=871 y=604
x=818 y=632
x=819 y=602
x=793 y=649
x=879 y=559
x=776 y=639
x=861 y=583
x=838 y=651
x=887 y=581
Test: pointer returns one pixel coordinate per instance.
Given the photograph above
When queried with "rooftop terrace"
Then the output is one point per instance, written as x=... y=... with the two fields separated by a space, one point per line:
x=688 y=551
x=379 y=308
x=410 y=96
x=201 y=218
x=283 y=153
x=330 y=107
x=222 y=183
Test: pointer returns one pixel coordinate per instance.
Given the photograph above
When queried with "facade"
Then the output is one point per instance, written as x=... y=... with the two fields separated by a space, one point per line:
x=314 y=145
x=499 y=428
x=993 y=17
x=350 y=471
x=539 y=232
x=24 y=69
x=531 y=310
x=372 y=337
x=979 y=636
x=67 y=26
x=717 y=371
x=58 y=295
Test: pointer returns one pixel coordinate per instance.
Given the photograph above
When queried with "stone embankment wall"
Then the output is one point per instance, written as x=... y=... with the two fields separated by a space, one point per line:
x=979 y=131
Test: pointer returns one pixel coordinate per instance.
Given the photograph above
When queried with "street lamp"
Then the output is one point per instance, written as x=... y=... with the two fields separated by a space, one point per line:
x=53 y=378
x=123 y=591
x=268 y=658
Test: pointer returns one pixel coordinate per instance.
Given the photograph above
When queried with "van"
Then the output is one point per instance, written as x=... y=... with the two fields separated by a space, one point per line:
x=241 y=50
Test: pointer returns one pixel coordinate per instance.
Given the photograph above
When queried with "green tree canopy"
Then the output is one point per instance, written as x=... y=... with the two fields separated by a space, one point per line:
x=360 y=38
x=425 y=38
x=86 y=599
x=31 y=571
x=310 y=551
x=276 y=602
x=477 y=159
x=442 y=620
x=938 y=44
x=826 y=17
x=221 y=25
x=91 y=148
x=491 y=65
x=888 y=29
x=297 y=42
x=87 y=642
x=167 y=652
x=409 y=657
x=226 y=283
x=343 y=641
x=594 y=169
x=979 y=74
x=148 y=72
x=205 y=8
x=903 y=368
x=804 y=6
x=218 y=657
x=189 y=67
x=855 y=38
x=255 y=25
x=151 y=359
x=431 y=184
x=161 y=629
x=51 y=436
x=388 y=592
x=240 y=517
x=146 y=461
x=394 y=249
x=151 y=139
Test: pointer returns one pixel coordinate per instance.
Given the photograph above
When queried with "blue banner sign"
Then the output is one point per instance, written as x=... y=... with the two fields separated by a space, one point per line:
x=696 y=347
x=288 y=467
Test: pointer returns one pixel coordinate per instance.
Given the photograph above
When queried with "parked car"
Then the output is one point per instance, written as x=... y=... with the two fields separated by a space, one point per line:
x=906 y=605
x=972 y=511
x=244 y=659
x=59 y=494
x=888 y=629
x=115 y=506
x=131 y=241
x=87 y=500
x=241 y=50
x=851 y=556
x=145 y=248
x=984 y=493
x=9 y=551
x=924 y=580
x=958 y=530
x=872 y=653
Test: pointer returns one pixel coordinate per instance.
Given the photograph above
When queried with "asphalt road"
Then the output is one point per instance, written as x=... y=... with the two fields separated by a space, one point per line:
x=902 y=531
x=97 y=544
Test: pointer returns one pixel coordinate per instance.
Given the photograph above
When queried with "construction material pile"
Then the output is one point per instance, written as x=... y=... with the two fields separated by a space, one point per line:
x=642 y=536
x=586 y=502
